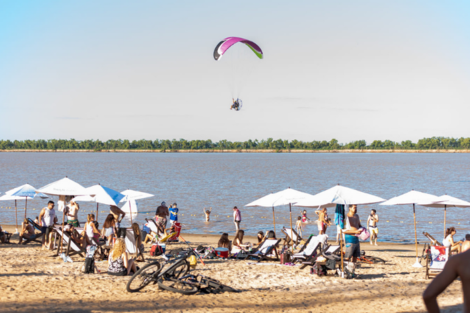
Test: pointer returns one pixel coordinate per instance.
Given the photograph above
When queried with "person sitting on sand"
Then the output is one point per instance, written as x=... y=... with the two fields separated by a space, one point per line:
x=224 y=242
x=353 y=247
x=299 y=226
x=108 y=229
x=456 y=266
x=119 y=263
x=27 y=231
x=170 y=230
x=237 y=244
x=449 y=240
x=138 y=242
x=207 y=213
x=466 y=243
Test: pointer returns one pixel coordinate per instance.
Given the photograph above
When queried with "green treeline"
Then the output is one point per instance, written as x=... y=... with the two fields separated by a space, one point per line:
x=97 y=145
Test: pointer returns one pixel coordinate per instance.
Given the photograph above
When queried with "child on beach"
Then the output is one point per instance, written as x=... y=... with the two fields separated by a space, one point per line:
x=173 y=210
x=207 y=213
x=299 y=226
x=304 y=217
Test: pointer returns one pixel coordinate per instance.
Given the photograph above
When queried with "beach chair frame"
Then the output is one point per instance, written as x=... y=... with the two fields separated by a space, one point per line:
x=288 y=240
x=433 y=272
x=271 y=249
x=37 y=237
x=71 y=247
x=434 y=242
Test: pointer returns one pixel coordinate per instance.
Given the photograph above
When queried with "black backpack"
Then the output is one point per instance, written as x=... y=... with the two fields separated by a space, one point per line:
x=89 y=266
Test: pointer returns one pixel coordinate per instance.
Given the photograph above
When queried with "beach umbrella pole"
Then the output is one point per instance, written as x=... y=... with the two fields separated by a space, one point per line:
x=445 y=213
x=25 y=207
x=292 y=230
x=16 y=218
x=341 y=251
x=417 y=264
x=274 y=222
x=62 y=236
x=97 y=207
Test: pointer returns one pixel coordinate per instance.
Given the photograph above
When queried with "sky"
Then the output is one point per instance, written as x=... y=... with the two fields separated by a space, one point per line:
x=349 y=70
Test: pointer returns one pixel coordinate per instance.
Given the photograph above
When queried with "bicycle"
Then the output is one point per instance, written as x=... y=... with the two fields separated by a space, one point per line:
x=207 y=284
x=370 y=259
x=167 y=278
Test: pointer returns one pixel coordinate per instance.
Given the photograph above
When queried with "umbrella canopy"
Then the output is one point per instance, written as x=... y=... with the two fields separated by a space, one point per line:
x=338 y=195
x=25 y=191
x=64 y=187
x=134 y=195
x=103 y=195
x=285 y=197
x=447 y=201
x=131 y=209
x=413 y=197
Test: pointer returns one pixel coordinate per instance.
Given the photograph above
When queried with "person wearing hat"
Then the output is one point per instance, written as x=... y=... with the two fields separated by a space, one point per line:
x=161 y=216
x=237 y=217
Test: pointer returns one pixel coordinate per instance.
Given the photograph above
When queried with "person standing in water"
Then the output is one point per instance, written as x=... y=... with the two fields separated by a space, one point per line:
x=207 y=213
x=237 y=217
x=304 y=217
x=373 y=229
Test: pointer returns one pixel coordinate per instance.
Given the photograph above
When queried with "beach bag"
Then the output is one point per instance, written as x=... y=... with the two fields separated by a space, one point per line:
x=318 y=270
x=285 y=257
x=89 y=267
x=156 y=250
x=364 y=235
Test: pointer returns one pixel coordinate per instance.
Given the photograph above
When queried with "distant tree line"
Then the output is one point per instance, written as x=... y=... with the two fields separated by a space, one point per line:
x=98 y=145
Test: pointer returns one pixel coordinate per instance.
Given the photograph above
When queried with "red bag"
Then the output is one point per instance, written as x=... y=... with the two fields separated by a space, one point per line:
x=156 y=250
x=285 y=257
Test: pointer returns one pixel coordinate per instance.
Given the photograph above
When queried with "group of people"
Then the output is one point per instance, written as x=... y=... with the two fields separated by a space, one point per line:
x=237 y=245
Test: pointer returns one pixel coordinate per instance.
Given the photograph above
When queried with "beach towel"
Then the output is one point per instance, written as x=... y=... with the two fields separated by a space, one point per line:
x=339 y=215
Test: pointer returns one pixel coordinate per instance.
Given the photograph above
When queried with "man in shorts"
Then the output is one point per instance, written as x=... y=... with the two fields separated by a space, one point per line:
x=47 y=219
x=118 y=216
x=161 y=216
x=72 y=214
x=373 y=229
x=353 y=247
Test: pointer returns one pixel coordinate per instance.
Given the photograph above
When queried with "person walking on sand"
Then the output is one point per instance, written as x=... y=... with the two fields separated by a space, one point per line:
x=237 y=217
x=161 y=216
x=47 y=219
x=353 y=247
x=373 y=229
x=207 y=213
x=456 y=266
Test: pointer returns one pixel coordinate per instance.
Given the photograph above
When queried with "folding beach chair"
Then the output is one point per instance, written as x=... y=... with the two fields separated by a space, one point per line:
x=434 y=242
x=309 y=255
x=436 y=261
x=71 y=247
x=131 y=244
x=154 y=231
x=37 y=236
x=267 y=251
x=291 y=236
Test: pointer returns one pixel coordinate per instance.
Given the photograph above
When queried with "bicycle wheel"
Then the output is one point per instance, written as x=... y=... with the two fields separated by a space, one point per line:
x=376 y=259
x=176 y=285
x=218 y=287
x=365 y=259
x=143 y=277
x=177 y=270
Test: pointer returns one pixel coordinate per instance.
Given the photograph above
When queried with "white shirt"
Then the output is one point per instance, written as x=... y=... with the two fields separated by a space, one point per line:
x=48 y=217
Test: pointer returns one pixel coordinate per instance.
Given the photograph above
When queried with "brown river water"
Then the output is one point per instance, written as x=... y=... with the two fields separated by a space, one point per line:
x=221 y=181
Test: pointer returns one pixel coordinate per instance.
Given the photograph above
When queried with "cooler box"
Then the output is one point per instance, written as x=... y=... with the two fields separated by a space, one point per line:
x=221 y=253
x=178 y=231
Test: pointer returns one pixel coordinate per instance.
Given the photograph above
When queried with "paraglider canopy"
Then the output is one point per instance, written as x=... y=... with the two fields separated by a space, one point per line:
x=225 y=44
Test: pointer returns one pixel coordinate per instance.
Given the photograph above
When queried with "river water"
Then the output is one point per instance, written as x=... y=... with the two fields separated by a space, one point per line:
x=221 y=181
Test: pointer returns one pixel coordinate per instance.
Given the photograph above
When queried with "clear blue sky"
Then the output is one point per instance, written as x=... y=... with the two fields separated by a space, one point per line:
x=348 y=70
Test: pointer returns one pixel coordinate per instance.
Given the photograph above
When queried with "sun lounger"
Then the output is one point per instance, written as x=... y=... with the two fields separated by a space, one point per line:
x=37 y=236
x=291 y=236
x=6 y=236
x=71 y=247
x=436 y=260
x=309 y=255
x=434 y=242
x=267 y=251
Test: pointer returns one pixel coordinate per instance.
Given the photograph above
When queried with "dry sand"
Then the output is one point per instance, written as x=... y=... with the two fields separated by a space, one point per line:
x=32 y=280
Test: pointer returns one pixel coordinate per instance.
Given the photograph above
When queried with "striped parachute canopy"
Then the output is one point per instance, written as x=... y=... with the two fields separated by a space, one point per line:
x=225 y=44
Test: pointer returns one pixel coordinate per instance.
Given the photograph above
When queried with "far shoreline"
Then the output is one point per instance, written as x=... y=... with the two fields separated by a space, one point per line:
x=237 y=151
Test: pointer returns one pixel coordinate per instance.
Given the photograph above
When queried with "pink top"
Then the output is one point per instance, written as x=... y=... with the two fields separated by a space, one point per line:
x=237 y=216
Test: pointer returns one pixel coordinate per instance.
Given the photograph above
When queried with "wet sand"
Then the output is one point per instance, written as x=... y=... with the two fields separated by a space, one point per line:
x=33 y=280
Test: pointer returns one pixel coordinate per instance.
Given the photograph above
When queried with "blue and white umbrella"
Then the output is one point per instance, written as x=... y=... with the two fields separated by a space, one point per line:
x=103 y=195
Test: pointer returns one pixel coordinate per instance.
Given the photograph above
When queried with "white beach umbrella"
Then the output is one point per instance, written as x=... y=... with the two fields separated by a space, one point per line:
x=447 y=201
x=338 y=195
x=103 y=195
x=25 y=192
x=131 y=209
x=134 y=195
x=64 y=187
x=288 y=197
x=413 y=197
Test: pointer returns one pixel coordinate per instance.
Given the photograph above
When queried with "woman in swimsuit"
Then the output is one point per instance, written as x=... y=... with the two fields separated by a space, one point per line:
x=108 y=229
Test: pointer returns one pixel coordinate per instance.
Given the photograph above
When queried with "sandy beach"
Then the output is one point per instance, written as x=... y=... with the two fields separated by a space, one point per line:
x=35 y=280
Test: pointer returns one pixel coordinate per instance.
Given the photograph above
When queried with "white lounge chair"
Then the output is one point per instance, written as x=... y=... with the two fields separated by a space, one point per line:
x=267 y=251
x=436 y=260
